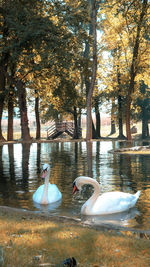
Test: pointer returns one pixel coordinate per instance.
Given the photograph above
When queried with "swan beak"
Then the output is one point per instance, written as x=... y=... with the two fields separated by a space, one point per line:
x=44 y=173
x=74 y=189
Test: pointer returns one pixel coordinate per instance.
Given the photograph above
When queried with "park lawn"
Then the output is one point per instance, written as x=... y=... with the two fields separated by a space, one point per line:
x=28 y=240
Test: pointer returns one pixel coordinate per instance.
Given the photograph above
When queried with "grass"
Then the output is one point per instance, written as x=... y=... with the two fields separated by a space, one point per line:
x=35 y=241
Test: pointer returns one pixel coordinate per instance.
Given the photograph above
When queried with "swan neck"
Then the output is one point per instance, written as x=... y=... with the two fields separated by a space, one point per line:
x=47 y=178
x=44 y=198
x=94 y=183
x=87 y=207
x=96 y=186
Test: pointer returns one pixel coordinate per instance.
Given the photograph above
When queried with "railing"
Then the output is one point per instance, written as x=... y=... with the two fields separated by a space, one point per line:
x=58 y=128
x=70 y=128
x=51 y=130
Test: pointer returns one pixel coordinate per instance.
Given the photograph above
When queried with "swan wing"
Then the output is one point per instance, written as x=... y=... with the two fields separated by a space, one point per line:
x=53 y=194
x=113 y=202
x=37 y=196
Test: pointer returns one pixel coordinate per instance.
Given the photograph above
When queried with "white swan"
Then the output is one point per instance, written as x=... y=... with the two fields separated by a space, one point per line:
x=47 y=193
x=107 y=203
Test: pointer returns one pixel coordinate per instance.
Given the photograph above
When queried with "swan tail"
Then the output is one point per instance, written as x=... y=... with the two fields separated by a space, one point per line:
x=135 y=198
x=137 y=194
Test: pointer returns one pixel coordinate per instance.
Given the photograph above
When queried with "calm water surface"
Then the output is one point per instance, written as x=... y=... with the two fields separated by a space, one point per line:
x=20 y=168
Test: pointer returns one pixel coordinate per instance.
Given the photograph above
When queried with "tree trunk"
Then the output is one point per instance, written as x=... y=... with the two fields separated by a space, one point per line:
x=76 y=132
x=128 y=110
x=98 y=119
x=79 y=119
x=145 y=129
x=120 y=122
x=10 y=117
x=89 y=120
x=120 y=116
x=25 y=134
x=94 y=133
x=113 y=126
x=37 y=118
x=80 y=110
x=94 y=69
x=98 y=124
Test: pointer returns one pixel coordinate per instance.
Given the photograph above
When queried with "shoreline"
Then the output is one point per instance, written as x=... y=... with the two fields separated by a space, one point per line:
x=135 y=150
x=22 y=213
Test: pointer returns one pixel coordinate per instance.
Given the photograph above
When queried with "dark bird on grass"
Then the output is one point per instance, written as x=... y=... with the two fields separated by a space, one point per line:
x=70 y=262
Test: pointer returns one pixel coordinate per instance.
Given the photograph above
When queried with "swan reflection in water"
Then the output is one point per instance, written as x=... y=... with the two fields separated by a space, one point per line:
x=49 y=207
x=119 y=219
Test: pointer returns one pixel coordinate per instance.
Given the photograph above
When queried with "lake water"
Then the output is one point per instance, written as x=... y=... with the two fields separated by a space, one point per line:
x=20 y=176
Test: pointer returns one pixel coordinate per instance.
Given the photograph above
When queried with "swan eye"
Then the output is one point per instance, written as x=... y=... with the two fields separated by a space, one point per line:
x=45 y=170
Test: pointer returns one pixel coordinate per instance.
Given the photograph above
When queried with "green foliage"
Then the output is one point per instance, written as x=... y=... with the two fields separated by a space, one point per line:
x=44 y=43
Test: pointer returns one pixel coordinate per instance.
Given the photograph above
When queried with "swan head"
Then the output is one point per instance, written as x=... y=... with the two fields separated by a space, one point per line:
x=46 y=169
x=78 y=183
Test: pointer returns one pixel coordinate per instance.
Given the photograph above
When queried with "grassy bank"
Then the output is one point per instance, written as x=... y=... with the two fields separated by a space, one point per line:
x=29 y=240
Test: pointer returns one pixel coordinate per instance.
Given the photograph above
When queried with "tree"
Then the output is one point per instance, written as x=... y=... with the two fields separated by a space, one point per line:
x=125 y=27
x=37 y=117
x=94 y=70
x=13 y=44
x=133 y=68
x=51 y=52
x=59 y=83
